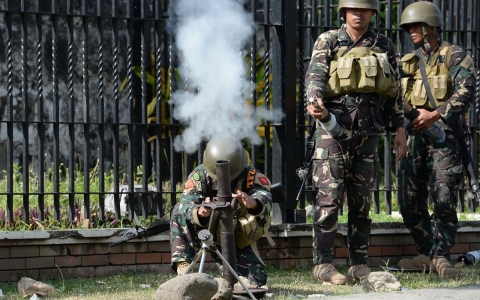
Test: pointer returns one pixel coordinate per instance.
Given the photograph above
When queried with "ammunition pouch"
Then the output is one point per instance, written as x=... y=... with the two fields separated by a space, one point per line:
x=251 y=228
x=361 y=70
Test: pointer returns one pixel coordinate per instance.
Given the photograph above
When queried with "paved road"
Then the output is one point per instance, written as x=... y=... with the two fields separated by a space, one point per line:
x=463 y=293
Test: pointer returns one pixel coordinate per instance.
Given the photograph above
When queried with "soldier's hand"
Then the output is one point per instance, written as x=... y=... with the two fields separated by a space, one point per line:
x=316 y=108
x=425 y=120
x=400 y=144
x=248 y=201
x=204 y=211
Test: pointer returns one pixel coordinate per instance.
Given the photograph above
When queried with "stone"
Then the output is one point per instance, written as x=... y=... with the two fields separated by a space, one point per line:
x=225 y=291
x=195 y=286
x=27 y=287
x=381 y=282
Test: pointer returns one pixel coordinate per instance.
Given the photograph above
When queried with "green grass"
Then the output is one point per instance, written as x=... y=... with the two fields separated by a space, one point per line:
x=282 y=283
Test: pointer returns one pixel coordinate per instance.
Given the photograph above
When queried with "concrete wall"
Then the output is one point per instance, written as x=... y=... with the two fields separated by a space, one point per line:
x=87 y=253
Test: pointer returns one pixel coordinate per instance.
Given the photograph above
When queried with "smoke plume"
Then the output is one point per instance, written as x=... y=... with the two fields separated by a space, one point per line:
x=210 y=36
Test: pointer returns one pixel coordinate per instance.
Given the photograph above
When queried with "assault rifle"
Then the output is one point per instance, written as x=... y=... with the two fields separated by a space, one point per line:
x=159 y=226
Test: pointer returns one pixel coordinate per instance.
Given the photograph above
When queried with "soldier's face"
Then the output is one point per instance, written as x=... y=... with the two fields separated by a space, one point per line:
x=416 y=32
x=358 y=18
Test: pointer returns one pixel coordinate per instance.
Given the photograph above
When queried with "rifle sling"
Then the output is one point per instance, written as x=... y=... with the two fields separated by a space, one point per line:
x=426 y=84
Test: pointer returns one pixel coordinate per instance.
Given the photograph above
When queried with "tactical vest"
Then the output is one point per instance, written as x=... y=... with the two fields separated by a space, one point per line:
x=361 y=70
x=438 y=73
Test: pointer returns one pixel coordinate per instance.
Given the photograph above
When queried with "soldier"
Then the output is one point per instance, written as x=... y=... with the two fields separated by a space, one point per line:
x=432 y=161
x=351 y=81
x=251 y=189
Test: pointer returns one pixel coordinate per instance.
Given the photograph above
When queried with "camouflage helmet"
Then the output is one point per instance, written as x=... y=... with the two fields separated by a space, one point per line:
x=421 y=12
x=367 y=4
x=225 y=147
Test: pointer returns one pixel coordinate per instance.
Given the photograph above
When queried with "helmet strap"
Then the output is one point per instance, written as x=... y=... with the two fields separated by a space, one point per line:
x=426 y=44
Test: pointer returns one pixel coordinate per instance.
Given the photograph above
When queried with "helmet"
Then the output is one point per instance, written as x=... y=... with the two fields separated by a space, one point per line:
x=368 y=4
x=225 y=147
x=421 y=12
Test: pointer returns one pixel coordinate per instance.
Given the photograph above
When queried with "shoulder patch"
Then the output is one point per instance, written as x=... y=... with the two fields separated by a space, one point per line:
x=263 y=180
x=190 y=183
x=251 y=178
x=196 y=177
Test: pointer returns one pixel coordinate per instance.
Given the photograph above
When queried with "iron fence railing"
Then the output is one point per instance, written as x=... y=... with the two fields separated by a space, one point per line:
x=85 y=116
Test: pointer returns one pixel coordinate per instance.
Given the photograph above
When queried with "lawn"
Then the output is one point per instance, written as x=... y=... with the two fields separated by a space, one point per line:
x=282 y=283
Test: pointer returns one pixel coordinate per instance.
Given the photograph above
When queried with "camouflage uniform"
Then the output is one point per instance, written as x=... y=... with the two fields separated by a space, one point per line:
x=436 y=165
x=185 y=222
x=346 y=163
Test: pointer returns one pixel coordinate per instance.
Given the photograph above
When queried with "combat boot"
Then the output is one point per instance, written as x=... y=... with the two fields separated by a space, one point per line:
x=418 y=263
x=327 y=273
x=181 y=266
x=443 y=268
x=357 y=272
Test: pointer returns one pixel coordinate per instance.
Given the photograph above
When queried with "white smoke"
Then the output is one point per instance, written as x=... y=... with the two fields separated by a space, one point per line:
x=210 y=36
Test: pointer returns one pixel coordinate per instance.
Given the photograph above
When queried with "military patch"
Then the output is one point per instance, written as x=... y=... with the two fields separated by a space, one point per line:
x=263 y=180
x=251 y=178
x=190 y=183
x=196 y=176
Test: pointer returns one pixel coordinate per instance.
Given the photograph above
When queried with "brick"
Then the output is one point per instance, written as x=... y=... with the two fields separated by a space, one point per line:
x=382 y=261
x=375 y=251
x=18 y=274
x=163 y=246
x=12 y=264
x=107 y=270
x=460 y=248
x=106 y=249
x=4 y=252
x=68 y=261
x=29 y=251
x=54 y=250
x=340 y=241
x=129 y=268
x=306 y=242
x=81 y=272
x=340 y=262
x=470 y=237
x=271 y=254
x=121 y=259
x=141 y=268
x=403 y=240
x=95 y=260
x=381 y=240
x=134 y=247
x=410 y=250
x=167 y=258
x=6 y=276
x=391 y=250
x=53 y=273
x=149 y=258
x=39 y=262
x=82 y=249
x=34 y=274
x=161 y=268
x=340 y=252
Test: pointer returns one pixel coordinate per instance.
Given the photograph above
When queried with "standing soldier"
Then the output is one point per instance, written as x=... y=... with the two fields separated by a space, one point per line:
x=353 y=93
x=432 y=160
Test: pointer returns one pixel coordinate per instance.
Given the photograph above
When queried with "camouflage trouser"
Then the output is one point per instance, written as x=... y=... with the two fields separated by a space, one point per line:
x=343 y=166
x=438 y=166
x=184 y=239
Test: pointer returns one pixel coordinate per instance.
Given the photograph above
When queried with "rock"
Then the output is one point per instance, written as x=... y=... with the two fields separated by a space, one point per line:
x=224 y=291
x=195 y=286
x=28 y=287
x=1 y=294
x=381 y=282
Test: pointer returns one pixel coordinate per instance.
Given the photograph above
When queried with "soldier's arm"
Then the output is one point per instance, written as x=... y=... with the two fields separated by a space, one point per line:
x=261 y=193
x=317 y=75
x=463 y=79
x=191 y=197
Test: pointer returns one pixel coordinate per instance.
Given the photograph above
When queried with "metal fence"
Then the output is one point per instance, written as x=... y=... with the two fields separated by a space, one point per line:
x=85 y=116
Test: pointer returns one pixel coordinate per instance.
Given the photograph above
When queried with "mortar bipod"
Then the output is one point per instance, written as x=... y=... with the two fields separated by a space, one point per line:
x=209 y=245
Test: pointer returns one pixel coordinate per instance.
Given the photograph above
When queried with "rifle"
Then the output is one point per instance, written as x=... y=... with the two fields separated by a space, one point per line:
x=457 y=133
x=159 y=226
